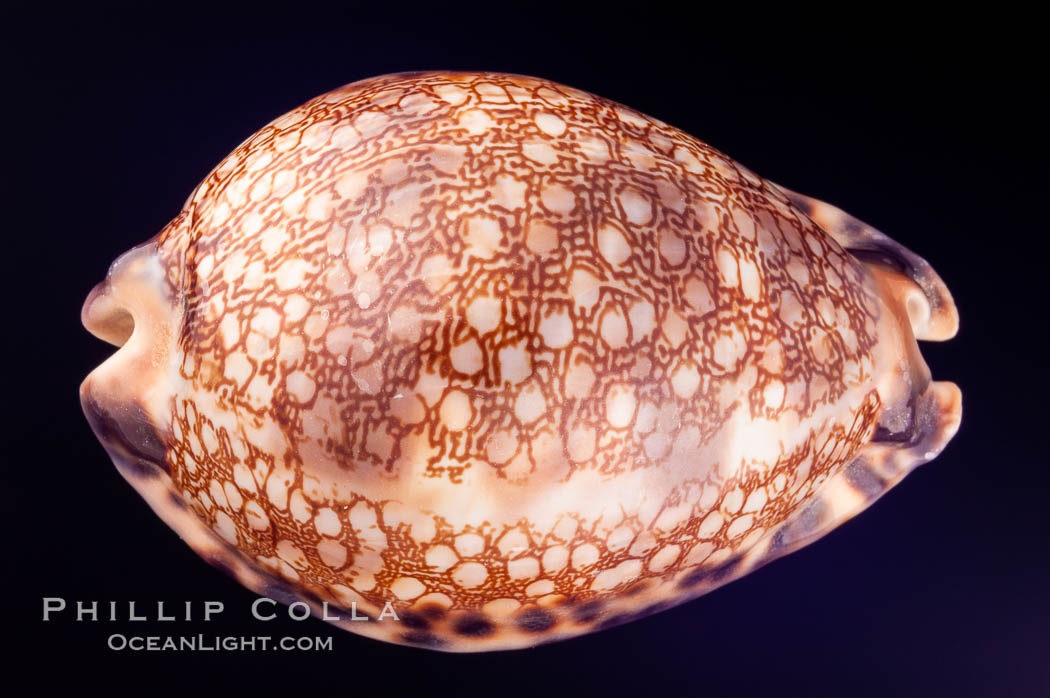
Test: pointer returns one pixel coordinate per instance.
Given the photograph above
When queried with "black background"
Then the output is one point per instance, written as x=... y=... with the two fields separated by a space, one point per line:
x=928 y=128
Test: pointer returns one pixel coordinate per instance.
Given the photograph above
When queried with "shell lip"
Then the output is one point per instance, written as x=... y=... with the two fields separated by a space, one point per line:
x=124 y=430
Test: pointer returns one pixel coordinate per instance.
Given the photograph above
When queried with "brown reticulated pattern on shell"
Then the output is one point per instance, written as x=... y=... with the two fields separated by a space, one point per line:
x=504 y=294
x=484 y=345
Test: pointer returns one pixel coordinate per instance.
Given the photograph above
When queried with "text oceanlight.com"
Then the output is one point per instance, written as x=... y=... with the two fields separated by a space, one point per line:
x=215 y=643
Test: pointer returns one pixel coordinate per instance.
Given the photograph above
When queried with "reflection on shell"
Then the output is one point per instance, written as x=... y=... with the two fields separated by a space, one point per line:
x=519 y=360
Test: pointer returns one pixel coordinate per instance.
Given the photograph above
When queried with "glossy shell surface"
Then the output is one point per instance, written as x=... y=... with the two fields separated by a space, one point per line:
x=517 y=360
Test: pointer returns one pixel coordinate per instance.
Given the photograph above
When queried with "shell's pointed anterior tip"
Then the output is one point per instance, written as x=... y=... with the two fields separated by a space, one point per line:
x=105 y=318
x=493 y=362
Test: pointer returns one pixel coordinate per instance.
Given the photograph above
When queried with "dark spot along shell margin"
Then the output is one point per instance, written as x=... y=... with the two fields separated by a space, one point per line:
x=414 y=620
x=704 y=575
x=535 y=620
x=588 y=612
x=473 y=625
x=422 y=638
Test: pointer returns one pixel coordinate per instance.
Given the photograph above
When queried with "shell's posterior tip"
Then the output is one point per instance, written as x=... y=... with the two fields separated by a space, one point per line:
x=941 y=317
x=944 y=317
x=129 y=310
x=125 y=295
x=941 y=320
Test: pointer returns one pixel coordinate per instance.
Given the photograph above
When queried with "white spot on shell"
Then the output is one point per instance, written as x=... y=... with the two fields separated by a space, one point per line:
x=556 y=329
x=550 y=124
x=612 y=244
x=469 y=574
x=467 y=357
x=407 y=588
x=620 y=404
x=456 y=410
